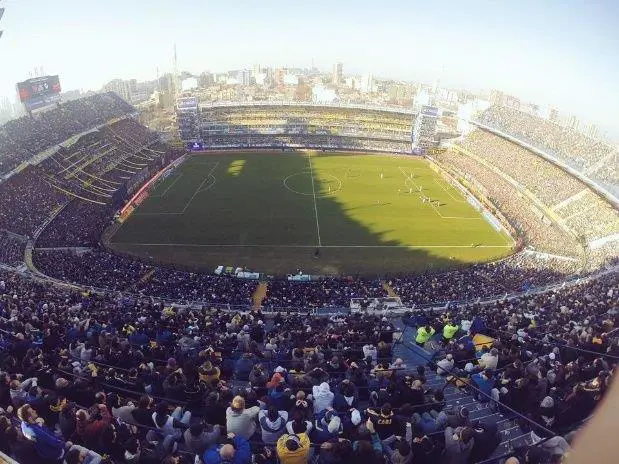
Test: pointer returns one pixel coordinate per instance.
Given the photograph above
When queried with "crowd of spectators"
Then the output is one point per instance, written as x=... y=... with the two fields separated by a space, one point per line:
x=79 y=224
x=94 y=268
x=589 y=216
x=11 y=248
x=533 y=225
x=546 y=181
x=102 y=162
x=583 y=211
x=596 y=158
x=91 y=378
x=101 y=269
x=335 y=292
x=520 y=272
x=27 y=201
x=24 y=137
x=310 y=141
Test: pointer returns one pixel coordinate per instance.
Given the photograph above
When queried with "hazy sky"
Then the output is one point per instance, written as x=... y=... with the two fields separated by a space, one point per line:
x=561 y=52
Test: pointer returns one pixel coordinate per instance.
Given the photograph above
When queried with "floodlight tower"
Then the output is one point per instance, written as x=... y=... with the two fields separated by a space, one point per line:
x=175 y=79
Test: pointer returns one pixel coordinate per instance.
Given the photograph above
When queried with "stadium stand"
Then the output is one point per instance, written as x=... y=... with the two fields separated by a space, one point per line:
x=564 y=202
x=21 y=139
x=495 y=360
x=304 y=125
x=596 y=159
x=136 y=381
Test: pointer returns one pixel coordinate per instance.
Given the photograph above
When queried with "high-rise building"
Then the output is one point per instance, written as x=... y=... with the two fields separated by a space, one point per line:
x=367 y=83
x=206 y=79
x=256 y=70
x=573 y=122
x=593 y=131
x=496 y=97
x=121 y=87
x=244 y=77
x=553 y=114
x=338 y=69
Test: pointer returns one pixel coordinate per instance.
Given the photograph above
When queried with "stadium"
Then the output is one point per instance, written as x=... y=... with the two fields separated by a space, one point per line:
x=155 y=298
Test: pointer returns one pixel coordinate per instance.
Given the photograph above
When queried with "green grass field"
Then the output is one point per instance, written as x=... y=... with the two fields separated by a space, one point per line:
x=271 y=211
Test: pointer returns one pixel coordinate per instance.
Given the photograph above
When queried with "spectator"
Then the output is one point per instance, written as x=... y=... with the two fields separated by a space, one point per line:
x=241 y=421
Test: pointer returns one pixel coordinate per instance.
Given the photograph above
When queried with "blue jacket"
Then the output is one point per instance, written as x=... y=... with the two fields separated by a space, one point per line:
x=279 y=399
x=484 y=385
x=47 y=445
x=477 y=326
x=242 y=455
x=243 y=367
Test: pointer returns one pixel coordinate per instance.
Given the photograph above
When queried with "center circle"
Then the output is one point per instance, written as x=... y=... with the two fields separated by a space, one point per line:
x=336 y=185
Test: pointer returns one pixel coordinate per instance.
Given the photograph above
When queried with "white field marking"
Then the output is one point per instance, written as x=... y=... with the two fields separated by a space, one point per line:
x=409 y=178
x=200 y=186
x=309 y=159
x=171 y=185
x=209 y=186
x=199 y=245
x=339 y=187
x=154 y=214
x=460 y=200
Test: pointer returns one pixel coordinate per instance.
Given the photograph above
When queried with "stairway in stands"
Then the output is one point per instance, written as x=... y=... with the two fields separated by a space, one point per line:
x=511 y=435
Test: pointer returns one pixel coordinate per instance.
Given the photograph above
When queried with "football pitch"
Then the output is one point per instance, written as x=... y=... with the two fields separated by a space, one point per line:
x=322 y=213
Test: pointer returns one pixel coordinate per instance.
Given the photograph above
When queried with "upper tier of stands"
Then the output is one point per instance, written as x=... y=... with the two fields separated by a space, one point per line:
x=570 y=201
x=305 y=120
x=21 y=139
x=596 y=159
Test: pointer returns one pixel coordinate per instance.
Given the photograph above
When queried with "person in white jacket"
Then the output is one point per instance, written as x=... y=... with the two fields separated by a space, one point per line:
x=323 y=397
x=444 y=366
x=490 y=360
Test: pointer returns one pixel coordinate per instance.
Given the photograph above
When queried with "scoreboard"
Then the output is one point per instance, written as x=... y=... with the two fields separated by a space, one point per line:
x=39 y=92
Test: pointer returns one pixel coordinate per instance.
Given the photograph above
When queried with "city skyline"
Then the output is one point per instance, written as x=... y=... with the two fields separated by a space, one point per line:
x=558 y=54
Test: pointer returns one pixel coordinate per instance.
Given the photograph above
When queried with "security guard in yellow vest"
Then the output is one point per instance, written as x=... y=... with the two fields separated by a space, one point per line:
x=449 y=330
x=424 y=334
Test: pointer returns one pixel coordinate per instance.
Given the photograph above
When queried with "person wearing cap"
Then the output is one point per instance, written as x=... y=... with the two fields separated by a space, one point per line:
x=424 y=333
x=235 y=450
x=293 y=449
x=241 y=421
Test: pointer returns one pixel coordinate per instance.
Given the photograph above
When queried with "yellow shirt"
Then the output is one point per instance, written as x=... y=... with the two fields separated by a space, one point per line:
x=298 y=456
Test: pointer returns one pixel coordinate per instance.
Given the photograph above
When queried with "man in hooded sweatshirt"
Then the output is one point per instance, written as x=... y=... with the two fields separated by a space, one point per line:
x=273 y=424
x=323 y=397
